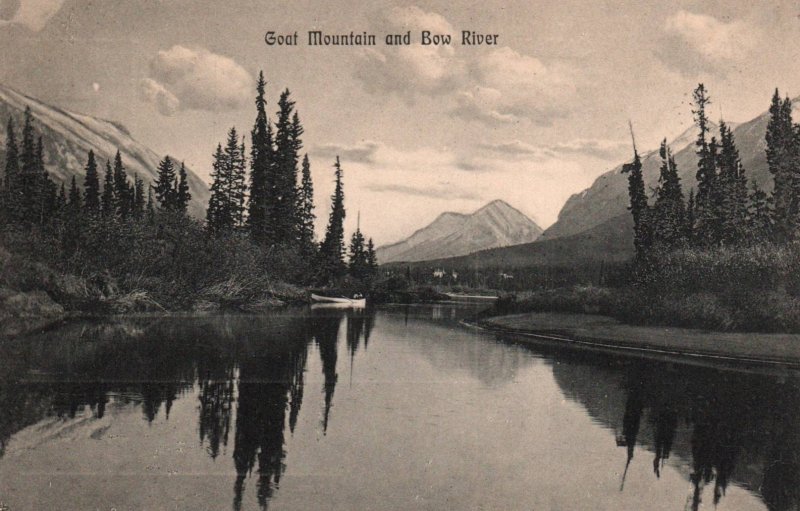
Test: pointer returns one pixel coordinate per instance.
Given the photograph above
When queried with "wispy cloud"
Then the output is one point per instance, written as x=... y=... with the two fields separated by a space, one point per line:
x=440 y=192
x=33 y=14
x=363 y=152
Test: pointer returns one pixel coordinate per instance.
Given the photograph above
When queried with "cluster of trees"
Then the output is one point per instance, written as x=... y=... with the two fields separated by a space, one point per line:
x=723 y=211
x=271 y=209
x=30 y=197
x=275 y=203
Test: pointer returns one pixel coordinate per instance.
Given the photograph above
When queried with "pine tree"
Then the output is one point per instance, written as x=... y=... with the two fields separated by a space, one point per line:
x=47 y=188
x=781 y=153
x=372 y=258
x=75 y=203
x=61 y=201
x=669 y=213
x=13 y=198
x=234 y=180
x=138 y=197
x=122 y=188
x=707 y=199
x=261 y=172
x=165 y=193
x=332 y=248
x=108 y=200
x=759 y=216
x=638 y=205
x=306 y=210
x=285 y=199
x=91 y=186
x=218 y=217
x=358 y=256
x=30 y=178
x=183 y=195
x=732 y=185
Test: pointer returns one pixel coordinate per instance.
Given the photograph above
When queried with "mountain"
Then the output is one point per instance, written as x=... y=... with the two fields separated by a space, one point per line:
x=496 y=224
x=68 y=136
x=607 y=198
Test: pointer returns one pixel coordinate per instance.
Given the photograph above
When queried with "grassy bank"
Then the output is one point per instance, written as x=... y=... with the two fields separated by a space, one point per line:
x=606 y=332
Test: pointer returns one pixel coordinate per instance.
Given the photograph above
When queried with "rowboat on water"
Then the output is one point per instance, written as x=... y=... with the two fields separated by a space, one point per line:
x=337 y=301
x=459 y=296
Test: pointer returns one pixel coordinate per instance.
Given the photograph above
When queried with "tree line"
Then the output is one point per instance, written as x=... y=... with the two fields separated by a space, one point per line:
x=272 y=205
x=724 y=211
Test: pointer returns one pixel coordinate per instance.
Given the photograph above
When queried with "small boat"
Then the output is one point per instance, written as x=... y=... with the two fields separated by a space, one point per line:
x=336 y=301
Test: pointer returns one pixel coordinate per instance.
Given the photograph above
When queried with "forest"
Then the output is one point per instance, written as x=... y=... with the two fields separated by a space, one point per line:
x=113 y=243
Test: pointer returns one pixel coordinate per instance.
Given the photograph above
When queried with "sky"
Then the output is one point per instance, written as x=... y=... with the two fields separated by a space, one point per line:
x=419 y=129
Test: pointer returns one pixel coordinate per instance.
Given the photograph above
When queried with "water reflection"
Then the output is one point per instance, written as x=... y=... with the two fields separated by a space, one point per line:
x=730 y=427
x=245 y=377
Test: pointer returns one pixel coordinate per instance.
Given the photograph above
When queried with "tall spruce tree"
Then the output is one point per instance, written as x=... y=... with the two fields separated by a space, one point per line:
x=122 y=190
x=13 y=198
x=707 y=199
x=781 y=153
x=732 y=186
x=75 y=202
x=261 y=171
x=669 y=211
x=164 y=185
x=183 y=196
x=91 y=186
x=358 y=256
x=218 y=214
x=286 y=140
x=638 y=205
x=234 y=178
x=108 y=199
x=30 y=175
x=306 y=210
x=759 y=216
x=138 y=197
x=372 y=258
x=332 y=248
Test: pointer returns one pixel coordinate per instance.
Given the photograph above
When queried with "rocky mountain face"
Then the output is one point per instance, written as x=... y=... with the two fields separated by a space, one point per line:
x=69 y=136
x=453 y=234
x=607 y=198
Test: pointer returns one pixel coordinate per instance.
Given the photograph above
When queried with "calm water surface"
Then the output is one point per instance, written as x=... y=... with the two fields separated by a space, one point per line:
x=390 y=409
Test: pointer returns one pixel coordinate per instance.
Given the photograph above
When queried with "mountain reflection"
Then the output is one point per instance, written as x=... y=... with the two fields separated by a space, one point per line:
x=731 y=427
x=248 y=373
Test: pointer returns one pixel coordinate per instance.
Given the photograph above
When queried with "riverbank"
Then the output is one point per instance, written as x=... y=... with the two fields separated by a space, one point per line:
x=608 y=333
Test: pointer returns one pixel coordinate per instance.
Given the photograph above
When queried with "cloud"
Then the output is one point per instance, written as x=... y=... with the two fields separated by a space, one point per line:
x=195 y=79
x=436 y=192
x=514 y=147
x=597 y=148
x=363 y=152
x=491 y=86
x=695 y=43
x=33 y=14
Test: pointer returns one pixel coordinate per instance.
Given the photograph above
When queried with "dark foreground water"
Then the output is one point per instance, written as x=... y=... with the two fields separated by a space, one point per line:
x=394 y=409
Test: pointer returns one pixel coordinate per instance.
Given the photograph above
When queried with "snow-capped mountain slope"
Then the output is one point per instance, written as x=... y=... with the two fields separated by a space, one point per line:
x=69 y=136
x=452 y=234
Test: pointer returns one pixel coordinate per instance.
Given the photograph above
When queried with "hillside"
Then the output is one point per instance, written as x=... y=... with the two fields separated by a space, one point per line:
x=69 y=136
x=496 y=224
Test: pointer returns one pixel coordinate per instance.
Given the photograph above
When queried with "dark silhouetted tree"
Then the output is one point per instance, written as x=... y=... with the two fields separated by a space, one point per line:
x=122 y=189
x=108 y=200
x=707 y=228
x=781 y=153
x=669 y=211
x=638 y=205
x=261 y=172
x=91 y=186
x=183 y=196
x=164 y=186
x=332 y=248
x=306 y=210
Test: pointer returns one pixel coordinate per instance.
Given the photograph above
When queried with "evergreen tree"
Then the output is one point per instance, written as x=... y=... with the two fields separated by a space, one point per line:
x=706 y=215
x=306 y=210
x=285 y=199
x=138 y=197
x=30 y=182
x=47 y=188
x=183 y=195
x=122 y=189
x=358 y=256
x=638 y=205
x=151 y=207
x=759 y=216
x=13 y=198
x=234 y=179
x=669 y=212
x=75 y=202
x=91 y=186
x=261 y=172
x=332 y=248
x=372 y=258
x=61 y=201
x=781 y=153
x=218 y=215
x=108 y=200
x=690 y=218
x=732 y=187
x=165 y=192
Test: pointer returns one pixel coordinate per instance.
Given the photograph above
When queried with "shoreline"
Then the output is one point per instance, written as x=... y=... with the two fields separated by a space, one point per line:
x=582 y=331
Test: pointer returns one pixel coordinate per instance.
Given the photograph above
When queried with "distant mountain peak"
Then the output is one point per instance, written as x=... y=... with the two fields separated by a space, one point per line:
x=496 y=224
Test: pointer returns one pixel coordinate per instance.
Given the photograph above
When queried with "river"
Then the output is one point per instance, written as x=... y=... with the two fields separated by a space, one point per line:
x=399 y=408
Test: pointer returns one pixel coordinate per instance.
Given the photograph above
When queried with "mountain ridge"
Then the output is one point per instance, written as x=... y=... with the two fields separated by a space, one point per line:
x=453 y=234
x=68 y=136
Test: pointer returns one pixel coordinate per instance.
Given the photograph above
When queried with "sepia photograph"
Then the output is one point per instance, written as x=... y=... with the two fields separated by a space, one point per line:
x=517 y=255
